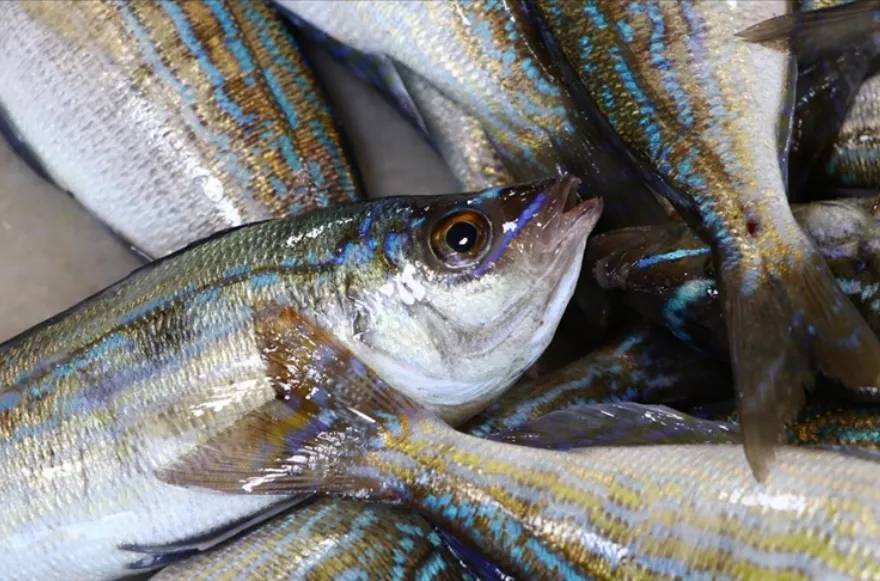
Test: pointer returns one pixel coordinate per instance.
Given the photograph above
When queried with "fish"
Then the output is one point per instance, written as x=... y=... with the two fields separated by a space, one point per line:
x=667 y=272
x=606 y=512
x=834 y=45
x=459 y=136
x=451 y=296
x=489 y=59
x=328 y=539
x=617 y=424
x=642 y=364
x=835 y=423
x=171 y=121
x=709 y=111
x=852 y=162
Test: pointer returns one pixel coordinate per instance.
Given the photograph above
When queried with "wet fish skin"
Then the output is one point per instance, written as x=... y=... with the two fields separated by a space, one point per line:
x=460 y=138
x=603 y=512
x=328 y=539
x=705 y=108
x=95 y=401
x=617 y=424
x=487 y=57
x=187 y=118
x=854 y=153
x=642 y=364
x=667 y=273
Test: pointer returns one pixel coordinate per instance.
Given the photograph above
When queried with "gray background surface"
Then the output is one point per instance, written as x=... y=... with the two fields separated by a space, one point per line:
x=53 y=253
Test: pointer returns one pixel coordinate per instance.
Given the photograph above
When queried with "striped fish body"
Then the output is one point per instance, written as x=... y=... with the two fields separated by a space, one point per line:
x=459 y=136
x=95 y=402
x=489 y=59
x=701 y=105
x=329 y=539
x=643 y=364
x=477 y=54
x=171 y=121
x=708 y=111
x=656 y=512
x=669 y=511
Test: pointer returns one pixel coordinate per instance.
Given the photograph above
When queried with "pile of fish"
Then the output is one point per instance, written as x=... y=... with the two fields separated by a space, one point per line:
x=307 y=382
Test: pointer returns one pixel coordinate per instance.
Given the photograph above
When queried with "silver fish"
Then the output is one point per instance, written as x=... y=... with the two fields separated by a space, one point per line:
x=651 y=511
x=449 y=297
x=171 y=121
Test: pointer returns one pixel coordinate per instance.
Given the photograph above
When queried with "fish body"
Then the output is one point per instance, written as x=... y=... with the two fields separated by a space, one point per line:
x=708 y=110
x=489 y=59
x=668 y=275
x=459 y=136
x=669 y=511
x=97 y=400
x=643 y=364
x=171 y=121
x=328 y=539
x=617 y=424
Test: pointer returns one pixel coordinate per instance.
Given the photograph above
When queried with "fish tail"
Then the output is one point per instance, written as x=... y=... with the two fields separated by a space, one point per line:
x=328 y=431
x=773 y=362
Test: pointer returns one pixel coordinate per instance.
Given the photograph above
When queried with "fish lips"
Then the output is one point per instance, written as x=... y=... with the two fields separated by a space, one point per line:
x=544 y=217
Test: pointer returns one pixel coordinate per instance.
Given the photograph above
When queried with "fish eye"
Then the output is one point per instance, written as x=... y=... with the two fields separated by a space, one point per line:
x=460 y=238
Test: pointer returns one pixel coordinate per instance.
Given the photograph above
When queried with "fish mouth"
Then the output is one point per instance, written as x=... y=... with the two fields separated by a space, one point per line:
x=565 y=216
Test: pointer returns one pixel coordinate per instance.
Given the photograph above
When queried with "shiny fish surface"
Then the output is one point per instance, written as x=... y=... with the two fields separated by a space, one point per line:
x=94 y=402
x=643 y=364
x=329 y=540
x=667 y=511
x=487 y=57
x=171 y=120
x=617 y=424
x=709 y=111
x=667 y=274
x=459 y=137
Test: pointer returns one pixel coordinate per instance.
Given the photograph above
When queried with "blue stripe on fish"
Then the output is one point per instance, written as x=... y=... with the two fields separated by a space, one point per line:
x=671 y=256
x=186 y=34
x=524 y=218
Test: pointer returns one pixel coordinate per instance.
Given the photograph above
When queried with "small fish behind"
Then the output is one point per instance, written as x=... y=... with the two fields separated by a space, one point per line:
x=667 y=273
x=328 y=540
x=709 y=111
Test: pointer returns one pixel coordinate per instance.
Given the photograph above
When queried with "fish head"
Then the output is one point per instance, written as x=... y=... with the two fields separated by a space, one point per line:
x=471 y=290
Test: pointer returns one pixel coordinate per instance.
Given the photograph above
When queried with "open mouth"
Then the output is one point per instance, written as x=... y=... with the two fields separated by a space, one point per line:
x=567 y=215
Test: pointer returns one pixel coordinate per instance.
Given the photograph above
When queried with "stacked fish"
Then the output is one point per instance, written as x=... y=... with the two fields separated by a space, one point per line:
x=272 y=396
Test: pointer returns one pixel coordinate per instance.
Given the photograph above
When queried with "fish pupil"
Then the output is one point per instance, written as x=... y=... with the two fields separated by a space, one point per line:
x=461 y=236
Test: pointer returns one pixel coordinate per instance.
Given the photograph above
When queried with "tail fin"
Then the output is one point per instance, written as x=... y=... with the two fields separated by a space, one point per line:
x=772 y=363
x=330 y=412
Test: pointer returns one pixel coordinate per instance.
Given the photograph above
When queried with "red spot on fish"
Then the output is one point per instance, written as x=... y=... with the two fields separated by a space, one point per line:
x=753 y=226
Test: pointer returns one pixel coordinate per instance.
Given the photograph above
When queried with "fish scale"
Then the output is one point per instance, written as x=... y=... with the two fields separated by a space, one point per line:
x=329 y=539
x=603 y=512
x=188 y=117
x=97 y=400
x=708 y=110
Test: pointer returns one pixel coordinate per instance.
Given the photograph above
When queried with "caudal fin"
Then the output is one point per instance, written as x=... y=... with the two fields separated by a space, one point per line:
x=779 y=334
x=329 y=413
